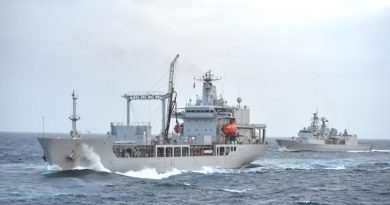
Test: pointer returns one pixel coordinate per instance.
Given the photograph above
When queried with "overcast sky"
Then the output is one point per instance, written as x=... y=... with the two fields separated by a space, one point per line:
x=284 y=58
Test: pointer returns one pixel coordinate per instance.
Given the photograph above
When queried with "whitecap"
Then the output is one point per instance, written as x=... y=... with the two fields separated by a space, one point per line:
x=236 y=190
x=212 y=170
x=359 y=151
x=151 y=173
x=283 y=149
x=305 y=202
x=381 y=150
x=288 y=164
x=337 y=167
x=186 y=184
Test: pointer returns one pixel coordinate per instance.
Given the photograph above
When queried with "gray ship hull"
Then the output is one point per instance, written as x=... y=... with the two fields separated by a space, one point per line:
x=293 y=145
x=68 y=154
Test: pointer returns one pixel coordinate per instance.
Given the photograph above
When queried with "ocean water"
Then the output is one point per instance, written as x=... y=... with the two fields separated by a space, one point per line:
x=276 y=178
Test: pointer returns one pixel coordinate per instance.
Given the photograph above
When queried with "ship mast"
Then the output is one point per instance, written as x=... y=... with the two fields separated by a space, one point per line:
x=209 y=90
x=74 y=134
x=172 y=97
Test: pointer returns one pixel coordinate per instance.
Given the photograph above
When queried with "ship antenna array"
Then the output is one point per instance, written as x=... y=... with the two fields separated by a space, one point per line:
x=209 y=77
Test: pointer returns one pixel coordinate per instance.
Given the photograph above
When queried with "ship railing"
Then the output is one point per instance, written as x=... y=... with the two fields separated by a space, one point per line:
x=251 y=125
x=145 y=95
x=131 y=93
x=258 y=125
x=124 y=124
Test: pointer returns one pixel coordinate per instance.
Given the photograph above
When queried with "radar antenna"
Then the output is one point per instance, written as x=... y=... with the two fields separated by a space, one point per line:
x=209 y=77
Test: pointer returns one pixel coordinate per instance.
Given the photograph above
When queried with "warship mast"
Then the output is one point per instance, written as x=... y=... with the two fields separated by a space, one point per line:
x=209 y=91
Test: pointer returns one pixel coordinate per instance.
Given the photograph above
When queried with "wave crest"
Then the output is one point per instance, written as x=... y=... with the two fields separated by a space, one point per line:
x=151 y=173
x=89 y=160
x=213 y=170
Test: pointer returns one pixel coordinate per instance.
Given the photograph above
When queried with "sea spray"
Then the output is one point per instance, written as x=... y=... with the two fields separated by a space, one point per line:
x=151 y=173
x=53 y=167
x=50 y=169
x=88 y=159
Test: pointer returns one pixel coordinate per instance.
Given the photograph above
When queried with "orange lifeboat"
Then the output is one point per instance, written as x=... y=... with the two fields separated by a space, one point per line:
x=229 y=128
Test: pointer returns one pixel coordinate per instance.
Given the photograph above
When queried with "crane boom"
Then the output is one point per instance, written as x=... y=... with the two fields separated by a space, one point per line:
x=171 y=74
x=171 y=96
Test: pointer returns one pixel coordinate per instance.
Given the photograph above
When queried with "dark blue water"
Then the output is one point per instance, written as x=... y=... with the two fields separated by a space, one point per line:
x=276 y=178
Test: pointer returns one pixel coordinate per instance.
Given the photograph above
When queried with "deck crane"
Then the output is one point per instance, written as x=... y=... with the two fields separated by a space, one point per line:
x=152 y=95
x=171 y=95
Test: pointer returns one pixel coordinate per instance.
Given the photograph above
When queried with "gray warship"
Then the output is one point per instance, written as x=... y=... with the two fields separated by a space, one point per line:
x=322 y=138
x=206 y=133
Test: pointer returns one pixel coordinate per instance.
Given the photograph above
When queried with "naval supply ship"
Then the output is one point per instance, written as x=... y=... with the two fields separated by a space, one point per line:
x=206 y=133
x=322 y=138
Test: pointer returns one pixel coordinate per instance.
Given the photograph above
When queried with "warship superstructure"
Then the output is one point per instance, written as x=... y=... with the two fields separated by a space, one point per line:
x=206 y=133
x=318 y=137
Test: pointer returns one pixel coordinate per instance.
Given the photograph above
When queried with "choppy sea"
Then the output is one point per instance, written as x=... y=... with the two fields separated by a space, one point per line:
x=276 y=178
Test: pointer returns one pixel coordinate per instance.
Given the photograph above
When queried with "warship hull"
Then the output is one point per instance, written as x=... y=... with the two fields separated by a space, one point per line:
x=294 y=145
x=68 y=154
